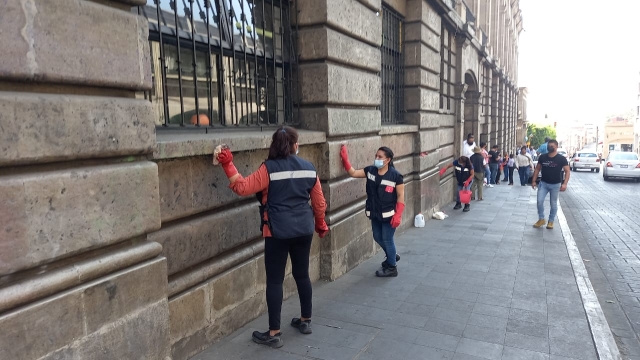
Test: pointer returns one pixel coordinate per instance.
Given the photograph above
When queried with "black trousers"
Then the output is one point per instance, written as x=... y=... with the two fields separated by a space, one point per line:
x=275 y=260
x=511 y=170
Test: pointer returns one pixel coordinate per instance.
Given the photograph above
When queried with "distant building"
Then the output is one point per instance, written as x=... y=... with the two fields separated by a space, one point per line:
x=521 y=126
x=636 y=132
x=618 y=135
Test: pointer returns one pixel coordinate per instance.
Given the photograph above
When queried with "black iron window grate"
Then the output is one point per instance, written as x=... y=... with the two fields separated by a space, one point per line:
x=447 y=70
x=219 y=63
x=392 y=70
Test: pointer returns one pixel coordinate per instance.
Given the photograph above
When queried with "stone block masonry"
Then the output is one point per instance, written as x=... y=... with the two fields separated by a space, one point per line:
x=109 y=229
x=78 y=277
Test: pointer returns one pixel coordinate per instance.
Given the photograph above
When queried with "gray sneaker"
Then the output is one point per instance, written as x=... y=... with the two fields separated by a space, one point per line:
x=385 y=264
x=387 y=272
x=303 y=326
x=266 y=339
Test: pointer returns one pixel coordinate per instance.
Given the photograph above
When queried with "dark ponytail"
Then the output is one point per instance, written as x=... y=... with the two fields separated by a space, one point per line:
x=282 y=143
x=388 y=153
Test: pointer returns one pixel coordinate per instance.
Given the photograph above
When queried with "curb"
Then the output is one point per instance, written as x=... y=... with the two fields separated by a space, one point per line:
x=603 y=339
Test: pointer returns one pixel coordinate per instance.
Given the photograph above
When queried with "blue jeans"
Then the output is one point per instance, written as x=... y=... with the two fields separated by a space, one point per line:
x=553 y=190
x=494 y=173
x=523 y=172
x=383 y=235
x=460 y=187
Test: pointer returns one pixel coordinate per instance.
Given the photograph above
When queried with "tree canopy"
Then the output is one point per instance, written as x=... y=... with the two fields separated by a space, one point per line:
x=538 y=133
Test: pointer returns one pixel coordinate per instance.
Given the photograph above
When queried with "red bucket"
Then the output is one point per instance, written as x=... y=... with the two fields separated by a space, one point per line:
x=465 y=196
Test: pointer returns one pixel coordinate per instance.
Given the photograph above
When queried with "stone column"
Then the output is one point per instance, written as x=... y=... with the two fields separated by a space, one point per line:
x=78 y=277
x=495 y=86
x=340 y=90
x=434 y=141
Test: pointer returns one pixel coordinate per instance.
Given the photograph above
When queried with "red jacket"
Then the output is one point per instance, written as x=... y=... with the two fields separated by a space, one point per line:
x=259 y=181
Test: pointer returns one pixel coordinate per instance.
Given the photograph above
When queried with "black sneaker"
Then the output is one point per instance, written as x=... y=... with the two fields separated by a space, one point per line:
x=266 y=339
x=387 y=272
x=466 y=208
x=385 y=264
x=458 y=206
x=303 y=326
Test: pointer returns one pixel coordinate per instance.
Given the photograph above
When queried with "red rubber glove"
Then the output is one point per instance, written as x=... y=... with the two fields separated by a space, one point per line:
x=397 y=217
x=226 y=160
x=321 y=228
x=345 y=158
x=443 y=170
x=466 y=183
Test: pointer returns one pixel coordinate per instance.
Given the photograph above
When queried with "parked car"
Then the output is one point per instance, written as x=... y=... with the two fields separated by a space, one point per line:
x=585 y=160
x=623 y=165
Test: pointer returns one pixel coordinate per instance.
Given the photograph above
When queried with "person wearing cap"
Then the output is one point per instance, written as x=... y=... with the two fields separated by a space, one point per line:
x=288 y=223
x=477 y=160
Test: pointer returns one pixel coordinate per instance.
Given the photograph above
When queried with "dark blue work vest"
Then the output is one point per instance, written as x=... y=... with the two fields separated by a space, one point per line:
x=288 y=210
x=381 y=195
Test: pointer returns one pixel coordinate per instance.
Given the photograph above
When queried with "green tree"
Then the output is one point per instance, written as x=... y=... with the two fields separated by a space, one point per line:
x=537 y=134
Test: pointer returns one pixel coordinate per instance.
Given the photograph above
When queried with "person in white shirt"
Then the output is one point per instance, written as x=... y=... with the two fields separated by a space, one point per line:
x=524 y=164
x=468 y=146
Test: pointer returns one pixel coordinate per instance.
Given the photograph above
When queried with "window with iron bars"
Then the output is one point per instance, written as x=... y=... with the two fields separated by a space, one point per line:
x=392 y=69
x=447 y=69
x=219 y=63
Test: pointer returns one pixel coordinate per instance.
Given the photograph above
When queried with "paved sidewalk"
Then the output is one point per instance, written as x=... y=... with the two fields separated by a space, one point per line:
x=478 y=285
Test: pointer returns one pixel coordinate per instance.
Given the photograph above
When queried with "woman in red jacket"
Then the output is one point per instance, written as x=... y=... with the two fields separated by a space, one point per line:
x=284 y=183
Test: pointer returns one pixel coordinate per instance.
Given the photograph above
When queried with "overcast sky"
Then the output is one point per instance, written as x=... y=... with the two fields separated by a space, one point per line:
x=579 y=59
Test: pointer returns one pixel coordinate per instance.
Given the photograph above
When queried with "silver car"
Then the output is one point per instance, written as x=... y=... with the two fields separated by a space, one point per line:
x=622 y=164
x=585 y=160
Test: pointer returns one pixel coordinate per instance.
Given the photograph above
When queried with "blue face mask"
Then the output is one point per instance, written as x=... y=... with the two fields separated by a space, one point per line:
x=378 y=163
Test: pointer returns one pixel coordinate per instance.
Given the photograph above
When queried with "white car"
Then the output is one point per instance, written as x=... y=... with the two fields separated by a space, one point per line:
x=621 y=164
x=585 y=160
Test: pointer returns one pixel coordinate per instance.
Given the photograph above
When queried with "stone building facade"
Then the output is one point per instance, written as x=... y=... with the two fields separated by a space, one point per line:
x=119 y=239
x=523 y=120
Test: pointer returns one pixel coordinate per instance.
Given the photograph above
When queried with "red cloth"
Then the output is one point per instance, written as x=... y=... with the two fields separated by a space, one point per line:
x=259 y=181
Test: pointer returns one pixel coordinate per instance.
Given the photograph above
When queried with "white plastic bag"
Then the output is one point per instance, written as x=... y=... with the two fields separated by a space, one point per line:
x=418 y=221
x=440 y=215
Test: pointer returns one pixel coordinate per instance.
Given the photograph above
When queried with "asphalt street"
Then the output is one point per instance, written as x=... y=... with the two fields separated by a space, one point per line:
x=604 y=218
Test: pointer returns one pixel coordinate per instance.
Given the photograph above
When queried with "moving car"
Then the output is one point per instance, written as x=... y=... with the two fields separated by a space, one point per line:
x=563 y=152
x=623 y=165
x=585 y=160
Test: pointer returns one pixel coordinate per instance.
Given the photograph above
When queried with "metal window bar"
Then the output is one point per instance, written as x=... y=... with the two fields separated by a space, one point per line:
x=240 y=55
x=392 y=67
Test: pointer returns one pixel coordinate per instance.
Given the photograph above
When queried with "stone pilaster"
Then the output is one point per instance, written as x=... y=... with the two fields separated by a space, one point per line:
x=77 y=193
x=340 y=86
x=434 y=141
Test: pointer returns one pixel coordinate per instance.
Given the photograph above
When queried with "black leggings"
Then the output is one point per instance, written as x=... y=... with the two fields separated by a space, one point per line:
x=275 y=261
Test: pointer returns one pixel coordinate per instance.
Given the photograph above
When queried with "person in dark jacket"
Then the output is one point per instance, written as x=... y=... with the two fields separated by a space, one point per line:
x=464 y=175
x=477 y=160
x=384 y=205
x=284 y=183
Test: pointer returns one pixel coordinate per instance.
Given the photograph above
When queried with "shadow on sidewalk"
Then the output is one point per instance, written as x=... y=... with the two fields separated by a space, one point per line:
x=478 y=285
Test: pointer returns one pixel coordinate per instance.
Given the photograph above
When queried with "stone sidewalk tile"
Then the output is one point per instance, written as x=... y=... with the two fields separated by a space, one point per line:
x=477 y=285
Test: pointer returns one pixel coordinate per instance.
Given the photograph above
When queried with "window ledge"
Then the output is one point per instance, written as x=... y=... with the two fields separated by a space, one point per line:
x=179 y=144
x=394 y=129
